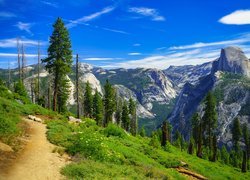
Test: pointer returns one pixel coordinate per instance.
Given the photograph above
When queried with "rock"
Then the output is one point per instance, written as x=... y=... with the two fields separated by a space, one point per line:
x=232 y=59
x=74 y=120
x=5 y=147
x=38 y=120
x=31 y=117
x=34 y=118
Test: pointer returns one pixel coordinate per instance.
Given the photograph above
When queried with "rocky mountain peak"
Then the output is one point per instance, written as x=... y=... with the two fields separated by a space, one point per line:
x=232 y=59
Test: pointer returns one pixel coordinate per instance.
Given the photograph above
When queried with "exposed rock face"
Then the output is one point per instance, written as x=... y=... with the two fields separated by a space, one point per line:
x=234 y=103
x=232 y=98
x=233 y=59
x=126 y=93
x=180 y=75
x=188 y=102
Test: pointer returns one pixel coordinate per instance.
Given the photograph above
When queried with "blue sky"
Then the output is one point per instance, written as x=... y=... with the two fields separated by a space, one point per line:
x=128 y=33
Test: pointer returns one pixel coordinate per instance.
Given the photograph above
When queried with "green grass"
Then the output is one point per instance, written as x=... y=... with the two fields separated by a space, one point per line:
x=110 y=152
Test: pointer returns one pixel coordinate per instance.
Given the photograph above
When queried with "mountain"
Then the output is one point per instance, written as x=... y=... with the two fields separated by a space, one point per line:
x=229 y=81
x=175 y=92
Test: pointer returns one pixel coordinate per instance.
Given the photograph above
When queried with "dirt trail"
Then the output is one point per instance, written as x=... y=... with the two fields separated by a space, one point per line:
x=36 y=162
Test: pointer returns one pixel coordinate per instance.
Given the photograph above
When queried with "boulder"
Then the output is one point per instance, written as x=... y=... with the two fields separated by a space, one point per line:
x=74 y=120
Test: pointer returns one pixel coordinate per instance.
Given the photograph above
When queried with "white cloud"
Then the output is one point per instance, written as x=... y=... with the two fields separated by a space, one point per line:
x=90 y=17
x=52 y=4
x=192 y=54
x=240 y=40
x=12 y=43
x=24 y=26
x=4 y=14
x=239 y=17
x=149 y=12
x=134 y=54
x=114 y=30
x=137 y=45
x=101 y=59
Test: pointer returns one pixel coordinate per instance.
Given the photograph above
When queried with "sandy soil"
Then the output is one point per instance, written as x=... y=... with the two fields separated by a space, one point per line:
x=36 y=162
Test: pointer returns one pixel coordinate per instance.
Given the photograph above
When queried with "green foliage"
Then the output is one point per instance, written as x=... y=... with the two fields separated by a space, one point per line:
x=132 y=112
x=125 y=117
x=236 y=134
x=224 y=155
x=209 y=119
x=88 y=101
x=142 y=132
x=114 y=130
x=98 y=108
x=59 y=62
x=154 y=141
x=109 y=102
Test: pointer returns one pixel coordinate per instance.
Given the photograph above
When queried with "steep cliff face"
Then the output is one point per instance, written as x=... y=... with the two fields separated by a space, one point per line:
x=230 y=83
x=233 y=59
x=232 y=92
x=180 y=75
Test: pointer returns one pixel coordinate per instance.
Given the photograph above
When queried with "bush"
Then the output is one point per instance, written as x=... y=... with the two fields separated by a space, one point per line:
x=89 y=144
x=113 y=130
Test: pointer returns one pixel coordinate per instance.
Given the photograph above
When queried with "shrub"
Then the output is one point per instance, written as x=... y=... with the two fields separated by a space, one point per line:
x=113 y=130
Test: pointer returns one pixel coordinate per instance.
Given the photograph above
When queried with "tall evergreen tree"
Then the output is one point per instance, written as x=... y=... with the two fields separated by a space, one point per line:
x=88 y=101
x=125 y=117
x=209 y=119
x=109 y=103
x=59 y=62
x=244 y=162
x=164 y=133
x=236 y=134
x=224 y=155
x=197 y=133
x=246 y=137
x=98 y=108
x=132 y=112
x=118 y=112
x=215 y=148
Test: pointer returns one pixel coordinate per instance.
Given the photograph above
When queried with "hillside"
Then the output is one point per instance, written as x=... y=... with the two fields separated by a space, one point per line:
x=110 y=152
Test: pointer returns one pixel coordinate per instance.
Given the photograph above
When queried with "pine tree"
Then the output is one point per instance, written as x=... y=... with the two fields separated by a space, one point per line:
x=142 y=132
x=214 y=156
x=109 y=103
x=88 y=101
x=177 y=139
x=118 y=112
x=224 y=155
x=132 y=112
x=164 y=133
x=210 y=119
x=244 y=162
x=236 y=134
x=125 y=117
x=246 y=137
x=98 y=108
x=59 y=62
x=191 y=146
x=19 y=88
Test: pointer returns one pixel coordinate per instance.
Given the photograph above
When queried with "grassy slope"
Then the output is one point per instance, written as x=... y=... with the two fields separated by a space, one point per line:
x=107 y=153
x=111 y=153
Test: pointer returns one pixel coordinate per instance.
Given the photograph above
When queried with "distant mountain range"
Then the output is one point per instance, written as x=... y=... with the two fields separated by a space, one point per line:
x=174 y=93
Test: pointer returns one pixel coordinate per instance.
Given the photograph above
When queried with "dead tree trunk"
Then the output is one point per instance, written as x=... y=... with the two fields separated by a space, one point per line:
x=18 y=59
x=77 y=87
x=38 y=72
